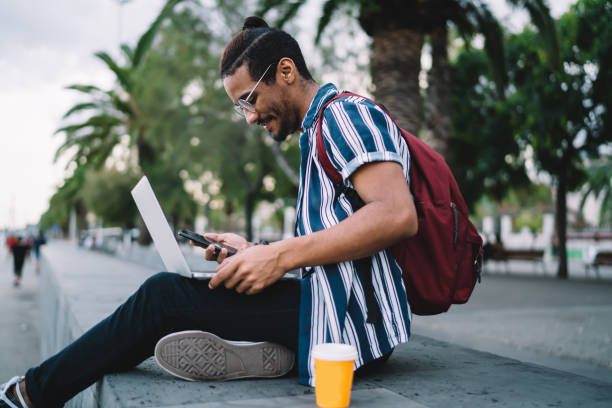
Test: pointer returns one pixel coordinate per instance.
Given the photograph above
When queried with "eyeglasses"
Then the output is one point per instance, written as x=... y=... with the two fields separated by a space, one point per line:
x=243 y=104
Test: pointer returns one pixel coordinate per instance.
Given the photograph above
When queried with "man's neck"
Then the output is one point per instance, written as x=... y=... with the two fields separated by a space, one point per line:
x=310 y=90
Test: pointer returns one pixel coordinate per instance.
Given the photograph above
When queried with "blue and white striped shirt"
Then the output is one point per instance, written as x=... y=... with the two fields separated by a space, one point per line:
x=333 y=301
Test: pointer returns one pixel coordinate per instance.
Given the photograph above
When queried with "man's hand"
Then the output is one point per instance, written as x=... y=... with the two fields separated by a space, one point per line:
x=229 y=239
x=250 y=270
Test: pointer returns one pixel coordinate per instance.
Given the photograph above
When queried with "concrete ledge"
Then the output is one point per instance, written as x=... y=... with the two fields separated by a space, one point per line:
x=79 y=288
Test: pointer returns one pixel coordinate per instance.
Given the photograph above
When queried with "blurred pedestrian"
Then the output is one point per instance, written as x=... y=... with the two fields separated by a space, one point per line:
x=37 y=241
x=10 y=241
x=20 y=249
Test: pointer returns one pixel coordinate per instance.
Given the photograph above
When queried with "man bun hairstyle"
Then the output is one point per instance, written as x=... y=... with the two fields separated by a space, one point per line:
x=254 y=22
x=259 y=46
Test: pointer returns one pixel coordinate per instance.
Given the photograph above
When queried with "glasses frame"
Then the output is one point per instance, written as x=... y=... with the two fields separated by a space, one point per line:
x=244 y=104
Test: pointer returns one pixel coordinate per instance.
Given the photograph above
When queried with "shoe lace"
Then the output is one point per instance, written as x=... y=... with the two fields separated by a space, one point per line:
x=8 y=397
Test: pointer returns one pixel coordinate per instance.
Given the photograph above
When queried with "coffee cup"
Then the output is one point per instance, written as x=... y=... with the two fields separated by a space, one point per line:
x=334 y=364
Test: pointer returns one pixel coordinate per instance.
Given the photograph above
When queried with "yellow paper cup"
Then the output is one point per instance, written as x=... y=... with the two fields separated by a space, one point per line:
x=333 y=374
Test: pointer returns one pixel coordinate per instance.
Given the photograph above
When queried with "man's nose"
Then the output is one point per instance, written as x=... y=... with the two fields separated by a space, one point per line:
x=251 y=117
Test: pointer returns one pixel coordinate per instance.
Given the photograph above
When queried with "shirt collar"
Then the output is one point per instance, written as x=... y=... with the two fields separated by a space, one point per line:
x=324 y=94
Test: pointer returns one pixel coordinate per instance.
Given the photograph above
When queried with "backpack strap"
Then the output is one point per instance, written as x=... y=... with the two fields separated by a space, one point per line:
x=363 y=265
x=329 y=168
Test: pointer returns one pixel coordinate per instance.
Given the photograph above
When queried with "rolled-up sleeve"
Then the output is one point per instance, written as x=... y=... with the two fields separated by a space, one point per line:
x=356 y=133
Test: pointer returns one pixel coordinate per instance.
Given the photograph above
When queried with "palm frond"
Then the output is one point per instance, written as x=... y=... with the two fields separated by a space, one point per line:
x=539 y=12
x=290 y=12
x=266 y=5
x=122 y=75
x=102 y=120
x=80 y=107
x=475 y=17
x=88 y=89
x=145 y=41
x=329 y=8
x=127 y=51
x=119 y=104
x=88 y=144
x=494 y=47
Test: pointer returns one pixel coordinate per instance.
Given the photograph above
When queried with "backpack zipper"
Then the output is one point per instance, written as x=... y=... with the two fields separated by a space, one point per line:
x=456 y=224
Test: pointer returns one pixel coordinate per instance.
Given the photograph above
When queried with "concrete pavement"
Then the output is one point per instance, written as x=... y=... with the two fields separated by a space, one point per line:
x=514 y=314
x=566 y=325
x=19 y=319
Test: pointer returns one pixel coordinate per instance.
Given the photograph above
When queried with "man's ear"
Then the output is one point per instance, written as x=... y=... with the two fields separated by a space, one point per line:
x=286 y=71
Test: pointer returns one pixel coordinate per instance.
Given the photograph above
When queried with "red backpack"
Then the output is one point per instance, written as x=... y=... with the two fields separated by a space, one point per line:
x=442 y=262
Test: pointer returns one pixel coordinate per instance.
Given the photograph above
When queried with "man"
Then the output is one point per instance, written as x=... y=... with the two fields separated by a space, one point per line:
x=266 y=78
x=20 y=250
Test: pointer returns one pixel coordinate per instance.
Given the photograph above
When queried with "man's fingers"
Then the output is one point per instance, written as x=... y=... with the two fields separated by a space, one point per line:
x=212 y=236
x=222 y=255
x=210 y=253
x=224 y=271
x=238 y=282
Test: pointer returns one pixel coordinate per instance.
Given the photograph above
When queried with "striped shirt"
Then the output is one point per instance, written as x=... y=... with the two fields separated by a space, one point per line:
x=333 y=301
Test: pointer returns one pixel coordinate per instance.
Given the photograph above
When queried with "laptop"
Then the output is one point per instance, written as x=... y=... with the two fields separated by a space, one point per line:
x=160 y=231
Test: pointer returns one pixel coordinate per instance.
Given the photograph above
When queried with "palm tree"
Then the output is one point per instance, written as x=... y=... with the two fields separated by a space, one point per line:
x=399 y=28
x=112 y=113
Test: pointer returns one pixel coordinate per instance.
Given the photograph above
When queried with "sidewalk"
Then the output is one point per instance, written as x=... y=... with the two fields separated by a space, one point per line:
x=565 y=325
x=421 y=373
x=19 y=319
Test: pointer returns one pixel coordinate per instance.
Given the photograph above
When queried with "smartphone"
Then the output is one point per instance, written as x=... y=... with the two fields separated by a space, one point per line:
x=195 y=237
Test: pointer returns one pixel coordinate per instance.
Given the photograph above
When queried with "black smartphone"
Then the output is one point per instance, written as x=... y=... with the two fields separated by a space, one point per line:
x=185 y=233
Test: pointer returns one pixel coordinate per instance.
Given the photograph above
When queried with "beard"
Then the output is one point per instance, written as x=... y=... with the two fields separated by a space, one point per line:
x=288 y=119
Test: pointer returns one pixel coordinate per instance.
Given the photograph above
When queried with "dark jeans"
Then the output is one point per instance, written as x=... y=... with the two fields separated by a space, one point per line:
x=165 y=303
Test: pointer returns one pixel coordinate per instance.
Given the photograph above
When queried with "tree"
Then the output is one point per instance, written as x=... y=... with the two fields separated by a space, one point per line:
x=398 y=29
x=484 y=155
x=552 y=110
x=198 y=138
x=66 y=199
x=599 y=185
x=107 y=115
x=112 y=113
x=106 y=193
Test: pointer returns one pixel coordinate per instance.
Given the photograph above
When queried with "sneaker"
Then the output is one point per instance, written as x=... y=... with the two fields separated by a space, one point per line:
x=7 y=396
x=199 y=356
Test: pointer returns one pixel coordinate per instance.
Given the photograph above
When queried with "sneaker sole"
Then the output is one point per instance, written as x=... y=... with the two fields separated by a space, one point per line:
x=200 y=356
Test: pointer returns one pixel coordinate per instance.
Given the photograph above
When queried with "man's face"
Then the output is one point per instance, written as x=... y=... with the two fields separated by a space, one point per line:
x=274 y=110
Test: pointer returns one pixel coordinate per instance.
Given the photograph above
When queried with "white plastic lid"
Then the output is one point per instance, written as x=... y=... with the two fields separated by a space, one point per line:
x=334 y=352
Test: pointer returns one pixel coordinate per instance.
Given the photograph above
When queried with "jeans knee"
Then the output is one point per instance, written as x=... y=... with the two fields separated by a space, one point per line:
x=161 y=284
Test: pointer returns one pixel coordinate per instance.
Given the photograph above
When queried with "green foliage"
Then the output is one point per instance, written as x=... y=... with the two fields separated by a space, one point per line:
x=483 y=154
x=101 y=123
x=539 y=12
x=550 y=108
x=536 y=197
x=599 y=185
x=593 y=36
x=179 y=123
x=66 y=198
x=528 y=218
x=106 y=193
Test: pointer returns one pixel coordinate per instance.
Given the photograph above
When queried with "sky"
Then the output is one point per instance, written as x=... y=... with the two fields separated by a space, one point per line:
x=48 y=45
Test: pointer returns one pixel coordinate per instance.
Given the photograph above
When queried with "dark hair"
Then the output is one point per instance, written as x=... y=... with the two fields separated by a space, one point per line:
x=258 y=46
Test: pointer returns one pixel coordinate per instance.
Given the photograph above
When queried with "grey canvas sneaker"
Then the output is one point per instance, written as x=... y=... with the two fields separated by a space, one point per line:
x=7 y=398
x=198 y=356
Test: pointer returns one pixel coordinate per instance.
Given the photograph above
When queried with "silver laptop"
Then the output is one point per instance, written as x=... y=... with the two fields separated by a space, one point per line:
x=160 y=231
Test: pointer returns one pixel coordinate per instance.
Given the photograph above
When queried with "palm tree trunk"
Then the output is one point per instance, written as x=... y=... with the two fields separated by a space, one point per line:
x=396 y=64
x=438 y=112
x=561 y=221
